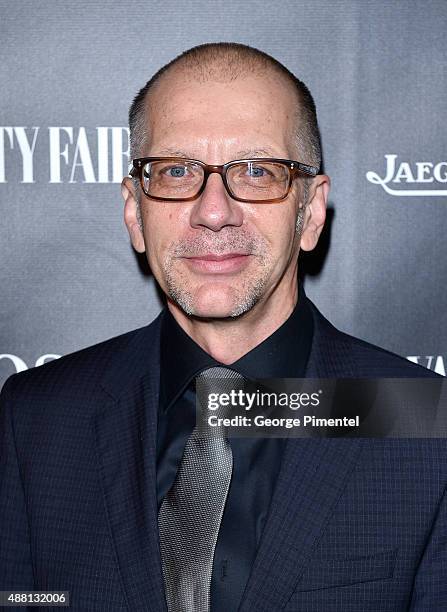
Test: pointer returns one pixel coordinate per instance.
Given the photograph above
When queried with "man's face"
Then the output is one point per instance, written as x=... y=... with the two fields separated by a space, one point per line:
x=216 y=257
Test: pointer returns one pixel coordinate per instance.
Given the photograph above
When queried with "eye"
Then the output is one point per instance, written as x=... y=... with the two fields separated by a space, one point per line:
x=256 y=171
x=176 y=171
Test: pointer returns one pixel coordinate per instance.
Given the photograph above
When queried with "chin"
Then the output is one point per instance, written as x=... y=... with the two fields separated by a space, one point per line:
x=213 y=302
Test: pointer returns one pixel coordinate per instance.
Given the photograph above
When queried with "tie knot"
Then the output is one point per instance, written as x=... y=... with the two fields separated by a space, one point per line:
x=218 y=379
x=216 y=391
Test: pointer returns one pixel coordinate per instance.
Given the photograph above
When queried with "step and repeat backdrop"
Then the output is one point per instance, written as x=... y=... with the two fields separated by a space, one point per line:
x=377 y=70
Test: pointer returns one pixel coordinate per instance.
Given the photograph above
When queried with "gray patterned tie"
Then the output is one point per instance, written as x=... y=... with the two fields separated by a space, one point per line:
x=191 y=512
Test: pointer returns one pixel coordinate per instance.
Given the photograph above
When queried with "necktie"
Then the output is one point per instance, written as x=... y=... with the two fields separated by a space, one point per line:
x=191 y=512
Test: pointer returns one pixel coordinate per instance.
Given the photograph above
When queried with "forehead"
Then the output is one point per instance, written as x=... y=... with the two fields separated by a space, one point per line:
x=249 y=112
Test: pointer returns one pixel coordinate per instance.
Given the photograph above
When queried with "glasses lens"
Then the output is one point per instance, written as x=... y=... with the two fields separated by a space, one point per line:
x=258 y=180
x=174 y=179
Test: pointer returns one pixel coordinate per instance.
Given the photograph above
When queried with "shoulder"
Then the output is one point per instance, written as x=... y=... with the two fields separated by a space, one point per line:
x=344 y=355
x=81 y=372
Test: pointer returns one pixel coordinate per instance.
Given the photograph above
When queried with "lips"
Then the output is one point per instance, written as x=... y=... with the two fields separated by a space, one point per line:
x=218 y=263
x=215 y=257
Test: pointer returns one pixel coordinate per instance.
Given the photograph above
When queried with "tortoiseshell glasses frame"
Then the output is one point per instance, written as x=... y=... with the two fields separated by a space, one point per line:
x=294 y=169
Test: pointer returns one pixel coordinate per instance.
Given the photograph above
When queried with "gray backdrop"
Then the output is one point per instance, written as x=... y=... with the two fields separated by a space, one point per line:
x=68 y=73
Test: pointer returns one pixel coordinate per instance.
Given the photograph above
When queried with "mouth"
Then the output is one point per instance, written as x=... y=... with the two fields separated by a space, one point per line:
x=212 y=263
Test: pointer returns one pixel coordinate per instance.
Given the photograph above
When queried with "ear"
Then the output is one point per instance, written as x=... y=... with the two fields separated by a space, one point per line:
x=315 y=213
x=130 y=215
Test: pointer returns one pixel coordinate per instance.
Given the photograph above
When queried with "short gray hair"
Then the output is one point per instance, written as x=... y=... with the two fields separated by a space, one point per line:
x=225 y=61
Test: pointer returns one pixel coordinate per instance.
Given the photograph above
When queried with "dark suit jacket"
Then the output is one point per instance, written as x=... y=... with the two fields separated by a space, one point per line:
x=355 y=525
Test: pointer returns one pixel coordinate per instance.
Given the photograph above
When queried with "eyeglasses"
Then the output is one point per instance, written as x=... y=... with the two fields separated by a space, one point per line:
x=246 y=180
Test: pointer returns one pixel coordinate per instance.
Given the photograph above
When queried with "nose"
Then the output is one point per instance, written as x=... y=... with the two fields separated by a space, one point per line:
x=214 y=208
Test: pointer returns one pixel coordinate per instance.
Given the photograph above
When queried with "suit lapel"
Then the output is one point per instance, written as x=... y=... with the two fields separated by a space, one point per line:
x=311 y=480
x=126 y=443
x=313 y=475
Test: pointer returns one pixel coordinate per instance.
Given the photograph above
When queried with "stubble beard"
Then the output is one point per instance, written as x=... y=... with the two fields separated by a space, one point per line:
x=247 y=289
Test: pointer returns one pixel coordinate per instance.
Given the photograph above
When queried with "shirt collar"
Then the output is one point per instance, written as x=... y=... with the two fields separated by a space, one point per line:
x=283 y=354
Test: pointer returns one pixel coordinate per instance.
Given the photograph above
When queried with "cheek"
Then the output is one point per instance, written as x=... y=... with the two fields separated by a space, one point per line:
x=277 y=226
x=163 y=225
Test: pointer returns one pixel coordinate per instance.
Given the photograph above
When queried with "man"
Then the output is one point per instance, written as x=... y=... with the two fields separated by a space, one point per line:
x=106 y=491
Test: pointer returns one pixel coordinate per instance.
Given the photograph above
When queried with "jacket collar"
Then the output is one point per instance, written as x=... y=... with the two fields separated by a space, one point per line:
x=134 y=356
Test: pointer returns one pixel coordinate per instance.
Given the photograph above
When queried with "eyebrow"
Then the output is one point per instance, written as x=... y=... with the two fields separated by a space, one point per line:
x=256 y=152
x=243 y=154
x=174 y=152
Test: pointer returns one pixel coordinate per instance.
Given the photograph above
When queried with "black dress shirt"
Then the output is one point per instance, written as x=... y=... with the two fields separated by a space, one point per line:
x=256 y=461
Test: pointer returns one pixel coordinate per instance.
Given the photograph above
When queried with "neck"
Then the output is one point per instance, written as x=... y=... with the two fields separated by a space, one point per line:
x=227 y=340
